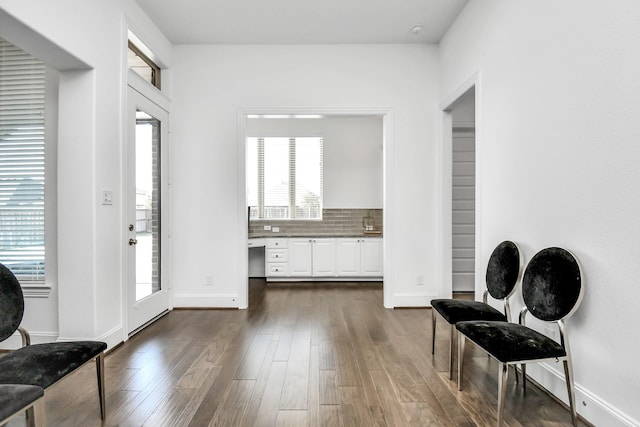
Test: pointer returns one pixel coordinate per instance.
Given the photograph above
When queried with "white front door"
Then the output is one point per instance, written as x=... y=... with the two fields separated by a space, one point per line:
x=147 y=293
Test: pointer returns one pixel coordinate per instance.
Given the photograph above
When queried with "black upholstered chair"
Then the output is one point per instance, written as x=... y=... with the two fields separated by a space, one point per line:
x=40 y=364
x=17 y=398
x=552 y=289
x=503 y=273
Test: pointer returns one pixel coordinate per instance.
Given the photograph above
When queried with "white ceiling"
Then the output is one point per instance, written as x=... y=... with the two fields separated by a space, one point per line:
x=301 y=21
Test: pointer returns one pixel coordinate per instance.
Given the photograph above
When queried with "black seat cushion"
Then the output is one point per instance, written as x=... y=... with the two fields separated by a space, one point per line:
x=454 y=311
x=503 y=270
x=15 y=397
x=44 y=364
x=510 y=342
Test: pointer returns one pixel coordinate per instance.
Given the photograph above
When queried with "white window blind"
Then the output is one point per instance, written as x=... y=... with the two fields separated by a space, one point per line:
x=22 y=92
x=284 y=177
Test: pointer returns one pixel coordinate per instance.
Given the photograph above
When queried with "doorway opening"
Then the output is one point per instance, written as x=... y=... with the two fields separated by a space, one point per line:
x=461 y=190
x=384 y=203
x=463 y=194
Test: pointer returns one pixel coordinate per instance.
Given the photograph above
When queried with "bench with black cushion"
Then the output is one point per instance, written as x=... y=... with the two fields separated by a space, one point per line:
x=17 y=398
x=41 y=364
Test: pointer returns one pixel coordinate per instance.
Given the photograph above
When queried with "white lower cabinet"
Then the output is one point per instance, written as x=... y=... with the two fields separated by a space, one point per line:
x=312 y=257
x=359 y=257
x=301 y=257
x=323 y=257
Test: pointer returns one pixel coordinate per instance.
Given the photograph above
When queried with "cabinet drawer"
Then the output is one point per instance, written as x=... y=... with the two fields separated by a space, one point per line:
x=276 y=255
x=276 y=269
x=276 y=243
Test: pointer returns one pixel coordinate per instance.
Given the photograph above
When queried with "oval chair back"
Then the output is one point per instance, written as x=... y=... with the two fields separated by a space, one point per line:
x=552 y=284
x=503 y=273
x=11 y=303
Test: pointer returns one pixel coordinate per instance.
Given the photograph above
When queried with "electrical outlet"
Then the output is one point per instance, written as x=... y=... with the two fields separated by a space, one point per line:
x=275 y=229
x=208 y=280
x=107 y=197
x=267 y=228
x=420 y=280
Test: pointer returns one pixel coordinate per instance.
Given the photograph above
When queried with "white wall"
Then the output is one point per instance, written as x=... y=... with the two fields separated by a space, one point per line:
x=212 y=83
x=558 y=140
x=352 y=150
x=88 y=42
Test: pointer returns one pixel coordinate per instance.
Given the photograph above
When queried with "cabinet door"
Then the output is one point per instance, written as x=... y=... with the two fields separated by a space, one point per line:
x=371 y=257
x=324 y=257
x=348 y=257
x=300 y=261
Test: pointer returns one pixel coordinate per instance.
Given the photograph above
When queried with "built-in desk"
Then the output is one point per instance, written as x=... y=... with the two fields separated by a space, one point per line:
x=316 y=258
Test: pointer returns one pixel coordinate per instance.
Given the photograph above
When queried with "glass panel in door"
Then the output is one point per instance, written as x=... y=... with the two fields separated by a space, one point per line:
x=147 y=187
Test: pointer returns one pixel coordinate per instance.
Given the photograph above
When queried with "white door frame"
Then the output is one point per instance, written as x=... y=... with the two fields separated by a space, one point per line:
x=387 y=191
x=140 y=94
x=446 y=169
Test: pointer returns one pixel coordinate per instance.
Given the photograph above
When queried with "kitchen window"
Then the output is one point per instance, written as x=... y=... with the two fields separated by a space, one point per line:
x=22 y=163
x=284 y=178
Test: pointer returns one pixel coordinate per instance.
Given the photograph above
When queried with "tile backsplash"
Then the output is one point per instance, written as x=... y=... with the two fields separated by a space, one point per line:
x=335 y=222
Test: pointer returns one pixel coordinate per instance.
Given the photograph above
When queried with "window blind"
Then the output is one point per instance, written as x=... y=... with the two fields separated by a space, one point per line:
x=284 y=177
x=22 y=92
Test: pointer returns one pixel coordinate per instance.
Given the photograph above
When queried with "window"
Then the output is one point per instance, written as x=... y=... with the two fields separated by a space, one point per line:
x=143 y=66
x=22 y=163
x=284 y=177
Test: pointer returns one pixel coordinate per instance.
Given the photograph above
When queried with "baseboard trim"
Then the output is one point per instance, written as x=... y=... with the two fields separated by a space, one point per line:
x=205 y=301
x=421 y=300
x=590 y=407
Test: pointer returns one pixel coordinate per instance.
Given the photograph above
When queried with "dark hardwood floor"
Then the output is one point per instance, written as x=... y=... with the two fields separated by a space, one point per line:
x=302 y=354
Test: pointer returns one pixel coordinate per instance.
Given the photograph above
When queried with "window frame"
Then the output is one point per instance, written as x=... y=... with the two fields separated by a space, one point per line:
x=292 y=178
x=40 y=284
x=156 y=71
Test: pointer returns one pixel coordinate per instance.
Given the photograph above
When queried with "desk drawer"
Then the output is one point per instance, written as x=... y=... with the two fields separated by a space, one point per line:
x=277 y=270
x=276 y=255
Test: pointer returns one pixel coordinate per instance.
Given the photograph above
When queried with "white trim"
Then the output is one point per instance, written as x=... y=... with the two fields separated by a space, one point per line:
x=388 y=193
x=206 y=301
x=591 y=407
x=15 y=341
x=445 y=165
x=36 y=291
x=422 y=299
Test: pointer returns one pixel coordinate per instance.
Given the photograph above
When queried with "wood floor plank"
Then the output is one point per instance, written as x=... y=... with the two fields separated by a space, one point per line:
x=231 y=410
x=291 y=418
x=252 y=362
x=267 y=413
x=313 y=402
x=169 y=411
x=330 y=415
x=327 y=356
x=295 y=391
x=328 y=388
x=355 y=411
x=258 y=394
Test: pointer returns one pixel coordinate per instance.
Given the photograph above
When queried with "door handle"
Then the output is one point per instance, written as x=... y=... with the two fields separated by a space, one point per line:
x=133 y=242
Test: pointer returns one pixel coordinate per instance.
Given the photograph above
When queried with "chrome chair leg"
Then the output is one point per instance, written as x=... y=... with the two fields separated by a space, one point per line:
x=36 y=414
x=433 y=330
x=101 y=393
x=502 y=391
x=451 y=346
x=568 y=372
x=461 y=343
